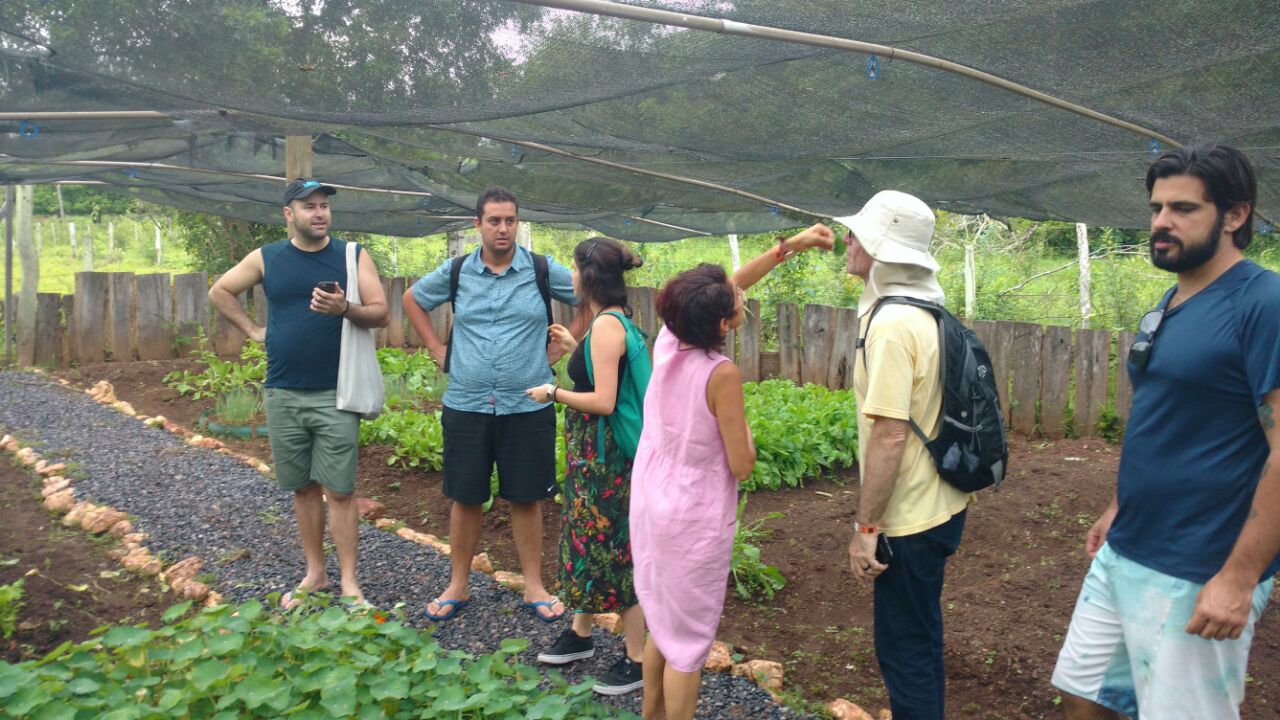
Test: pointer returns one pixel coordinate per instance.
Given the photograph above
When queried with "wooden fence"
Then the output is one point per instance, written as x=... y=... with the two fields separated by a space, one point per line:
x=1055 y=377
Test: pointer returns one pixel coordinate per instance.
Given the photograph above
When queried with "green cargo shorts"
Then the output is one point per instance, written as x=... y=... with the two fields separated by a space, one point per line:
x=311 y=439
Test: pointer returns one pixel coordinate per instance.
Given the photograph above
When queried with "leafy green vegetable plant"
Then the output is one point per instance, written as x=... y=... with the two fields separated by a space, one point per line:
x=231 y=662
x=751 y=576
x=800 y=432
x=221 y=376
x=10 y=605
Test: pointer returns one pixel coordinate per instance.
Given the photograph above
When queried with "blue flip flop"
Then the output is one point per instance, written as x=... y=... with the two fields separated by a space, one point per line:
x=533 y=607
x=448 y=609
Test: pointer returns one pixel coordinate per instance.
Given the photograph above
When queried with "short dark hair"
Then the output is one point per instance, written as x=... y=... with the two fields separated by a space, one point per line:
x=693 y=303
x=1228 y=179
x=601 y=262
x=495 y=194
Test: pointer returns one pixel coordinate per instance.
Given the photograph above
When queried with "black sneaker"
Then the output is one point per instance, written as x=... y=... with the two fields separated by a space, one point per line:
x=621 y=679
x=568 y=647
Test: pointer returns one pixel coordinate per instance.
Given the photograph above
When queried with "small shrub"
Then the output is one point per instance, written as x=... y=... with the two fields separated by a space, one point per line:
x=416 y=439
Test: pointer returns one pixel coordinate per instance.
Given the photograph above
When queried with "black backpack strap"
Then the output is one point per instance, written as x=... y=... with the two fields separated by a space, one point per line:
x=862 y=345
x=542 y=274
x=455 y=272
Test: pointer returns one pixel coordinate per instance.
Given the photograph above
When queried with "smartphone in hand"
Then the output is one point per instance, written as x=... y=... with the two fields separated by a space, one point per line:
x=884 y=553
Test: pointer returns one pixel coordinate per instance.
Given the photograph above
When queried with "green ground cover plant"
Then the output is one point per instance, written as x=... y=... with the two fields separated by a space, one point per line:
x=239 y=661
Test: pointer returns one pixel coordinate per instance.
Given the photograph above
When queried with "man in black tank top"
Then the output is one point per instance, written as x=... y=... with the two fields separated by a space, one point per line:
x=313 y=444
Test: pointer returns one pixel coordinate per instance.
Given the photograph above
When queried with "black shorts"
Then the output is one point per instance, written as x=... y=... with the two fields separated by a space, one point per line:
x=523 y=445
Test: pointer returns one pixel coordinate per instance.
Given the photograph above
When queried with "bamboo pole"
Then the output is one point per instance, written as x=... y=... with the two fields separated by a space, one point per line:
x=732 y=27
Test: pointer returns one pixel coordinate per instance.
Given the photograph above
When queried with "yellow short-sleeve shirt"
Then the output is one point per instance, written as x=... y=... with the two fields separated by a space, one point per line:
x=902 y=356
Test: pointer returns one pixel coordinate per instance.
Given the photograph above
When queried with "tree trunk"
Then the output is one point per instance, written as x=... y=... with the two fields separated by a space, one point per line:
x=1082 y=248
x=159 y=250
x=29 y=256
x=733 y=252
x=61 y=214
x=524 y=236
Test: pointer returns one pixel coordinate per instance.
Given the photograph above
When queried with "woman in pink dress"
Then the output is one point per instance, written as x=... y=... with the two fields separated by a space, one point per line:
x=695 y=448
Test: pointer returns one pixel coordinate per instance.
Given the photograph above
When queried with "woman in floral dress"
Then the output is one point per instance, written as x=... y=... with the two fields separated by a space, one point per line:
x=595 y=543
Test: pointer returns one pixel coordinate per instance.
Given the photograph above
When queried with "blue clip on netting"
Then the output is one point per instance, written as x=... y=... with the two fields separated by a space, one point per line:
x=774 y=211
x=1154 y=146
x=131 y=173
x=873 y=67
x=28 y=129
x=1264 y=227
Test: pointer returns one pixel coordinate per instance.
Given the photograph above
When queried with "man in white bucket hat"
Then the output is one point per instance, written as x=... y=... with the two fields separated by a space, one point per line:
x=908 y=521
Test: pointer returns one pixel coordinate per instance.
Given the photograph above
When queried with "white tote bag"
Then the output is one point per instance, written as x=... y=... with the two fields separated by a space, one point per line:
x=359 y=377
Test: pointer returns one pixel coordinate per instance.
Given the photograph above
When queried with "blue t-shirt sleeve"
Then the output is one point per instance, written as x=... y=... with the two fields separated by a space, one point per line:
x=1260 y=335
x=561 y=280
x=432 y=290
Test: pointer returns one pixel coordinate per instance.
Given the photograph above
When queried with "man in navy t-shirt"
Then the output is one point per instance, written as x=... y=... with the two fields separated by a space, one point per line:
x=313 y=443
x=1183 y=558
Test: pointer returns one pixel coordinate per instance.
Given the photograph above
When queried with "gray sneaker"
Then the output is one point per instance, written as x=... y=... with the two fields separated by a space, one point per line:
x=567 y=648
x=624 y=677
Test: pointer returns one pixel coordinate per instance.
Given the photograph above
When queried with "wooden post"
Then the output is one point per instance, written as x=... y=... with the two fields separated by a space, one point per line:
x=159 y=248
x=749 y=343
x=970 y=284
x=1093 y=369
x=190 y=309
x=154 y=296
x=227 y=338
x=790 y=353
x=92 y=291
x=111 y=240
x=1082 y=251
x=453 y=244
x=395 y=307
x=1055 y=381
x=734 y=256
x=1025 y=358
x=86 y=250
x=1124 y=389
x=260 y=305
x=120 y=316
x=70 y=339
x=997 y=336
x=297 y=157
x=71 y=233
x=844 y=351
x=819 y=334
x=49 y=330
x=29 y=255
x=9 y=202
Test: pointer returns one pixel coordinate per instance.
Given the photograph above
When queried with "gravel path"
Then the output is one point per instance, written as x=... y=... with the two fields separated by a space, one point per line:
x=195 y=501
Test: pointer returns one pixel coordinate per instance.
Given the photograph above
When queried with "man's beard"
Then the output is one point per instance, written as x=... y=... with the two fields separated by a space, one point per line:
x=1187 y=257
x=307 y=233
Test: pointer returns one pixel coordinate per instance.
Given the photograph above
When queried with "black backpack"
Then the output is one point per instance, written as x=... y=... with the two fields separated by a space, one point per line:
x=541 y=275
x=970 y=451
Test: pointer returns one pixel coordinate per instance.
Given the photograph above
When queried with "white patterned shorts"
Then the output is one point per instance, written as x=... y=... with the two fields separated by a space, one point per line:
x=1128 y=649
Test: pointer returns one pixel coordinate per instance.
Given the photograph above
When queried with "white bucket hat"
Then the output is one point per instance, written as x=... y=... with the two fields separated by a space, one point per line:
x=894 y=227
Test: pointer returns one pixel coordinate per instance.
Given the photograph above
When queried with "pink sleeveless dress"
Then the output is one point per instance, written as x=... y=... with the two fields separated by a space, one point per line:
x=683 y=505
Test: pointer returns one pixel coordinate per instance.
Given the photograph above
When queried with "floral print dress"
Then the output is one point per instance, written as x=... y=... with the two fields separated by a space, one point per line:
x=595 y=540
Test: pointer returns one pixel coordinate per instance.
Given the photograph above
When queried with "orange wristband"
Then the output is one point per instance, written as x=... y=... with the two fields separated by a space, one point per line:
x=866 y=529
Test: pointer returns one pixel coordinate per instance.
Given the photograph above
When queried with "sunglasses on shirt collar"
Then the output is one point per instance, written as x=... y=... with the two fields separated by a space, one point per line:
x=1140 y=353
